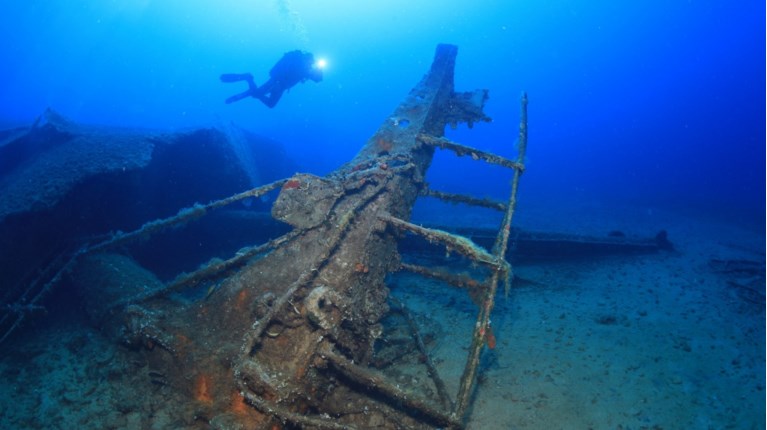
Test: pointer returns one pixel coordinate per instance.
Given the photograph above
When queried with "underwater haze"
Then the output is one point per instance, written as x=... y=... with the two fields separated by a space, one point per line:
x=656 y=104
x=637 y=294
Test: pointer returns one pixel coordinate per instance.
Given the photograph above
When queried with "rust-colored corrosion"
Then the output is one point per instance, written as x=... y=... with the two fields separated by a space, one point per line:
x=289 y=335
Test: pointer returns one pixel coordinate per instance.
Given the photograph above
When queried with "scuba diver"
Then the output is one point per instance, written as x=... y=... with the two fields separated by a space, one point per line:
x=293 y=67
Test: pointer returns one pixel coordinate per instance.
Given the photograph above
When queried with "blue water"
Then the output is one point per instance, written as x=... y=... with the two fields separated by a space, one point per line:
x=653 y=103
x=643 y=115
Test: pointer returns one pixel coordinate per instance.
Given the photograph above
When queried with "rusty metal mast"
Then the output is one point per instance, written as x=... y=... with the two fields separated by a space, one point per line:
x=292 y=325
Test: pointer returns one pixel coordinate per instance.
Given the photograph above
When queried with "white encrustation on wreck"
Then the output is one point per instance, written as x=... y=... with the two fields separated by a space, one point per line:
x=287 y=331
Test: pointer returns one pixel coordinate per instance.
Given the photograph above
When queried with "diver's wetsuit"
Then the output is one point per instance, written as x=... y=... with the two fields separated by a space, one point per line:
x=293 y=67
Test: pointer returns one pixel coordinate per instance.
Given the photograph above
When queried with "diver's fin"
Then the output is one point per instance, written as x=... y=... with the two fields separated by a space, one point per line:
x=238 y=97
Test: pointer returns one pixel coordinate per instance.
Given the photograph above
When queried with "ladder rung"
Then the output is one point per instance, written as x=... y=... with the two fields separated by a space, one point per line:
x=451 y=241
x=476 y=154
x=458 y=281
x=461 y=198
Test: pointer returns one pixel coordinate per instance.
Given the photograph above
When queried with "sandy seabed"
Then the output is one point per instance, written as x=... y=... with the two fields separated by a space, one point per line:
x=658 y=341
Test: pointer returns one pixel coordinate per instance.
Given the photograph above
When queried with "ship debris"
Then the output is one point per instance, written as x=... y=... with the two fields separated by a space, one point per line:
x=284 y=333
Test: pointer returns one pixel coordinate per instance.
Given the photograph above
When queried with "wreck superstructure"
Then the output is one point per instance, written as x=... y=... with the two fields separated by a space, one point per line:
x=287 y=330
x=292 y=332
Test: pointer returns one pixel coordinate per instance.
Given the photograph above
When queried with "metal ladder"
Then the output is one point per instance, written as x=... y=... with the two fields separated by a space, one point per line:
x=495 y=260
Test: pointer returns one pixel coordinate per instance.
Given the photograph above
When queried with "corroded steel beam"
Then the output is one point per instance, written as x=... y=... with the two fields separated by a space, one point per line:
x=270 y=335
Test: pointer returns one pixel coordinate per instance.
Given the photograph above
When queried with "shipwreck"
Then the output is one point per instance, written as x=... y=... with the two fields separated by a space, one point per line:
x=286 y=333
